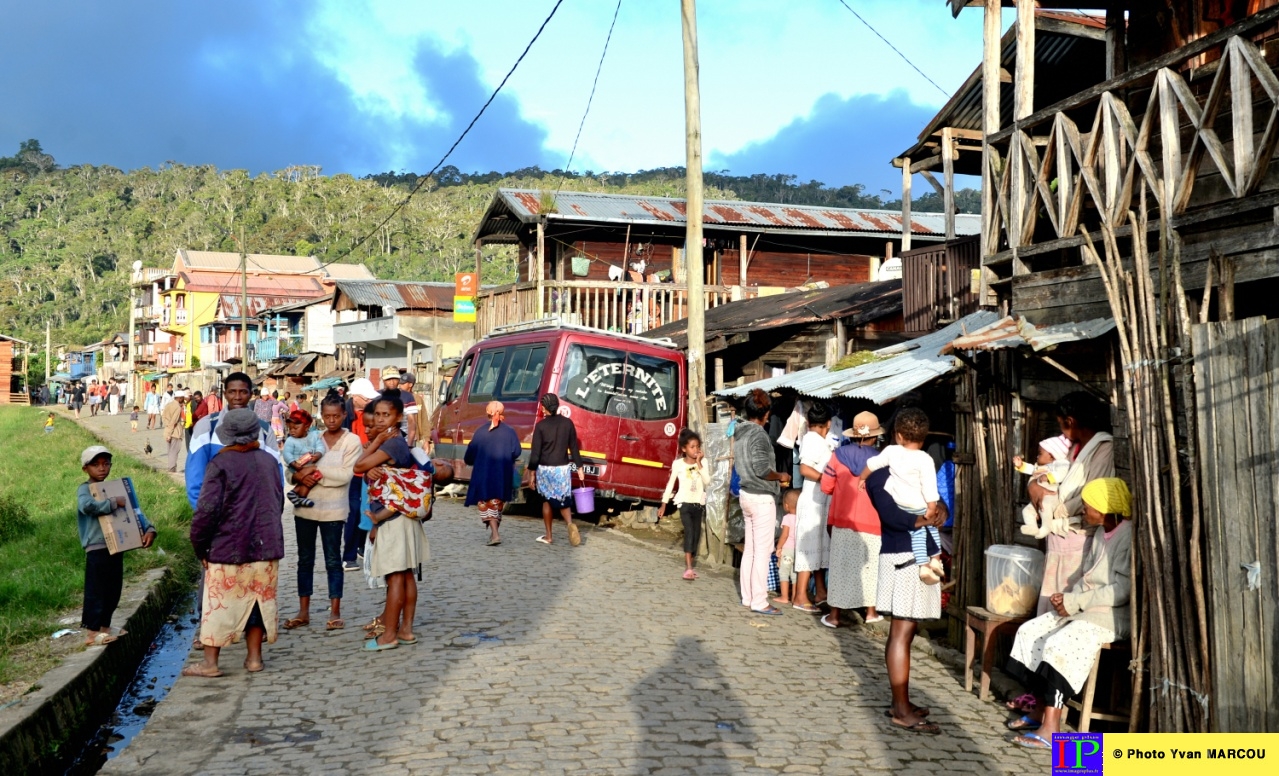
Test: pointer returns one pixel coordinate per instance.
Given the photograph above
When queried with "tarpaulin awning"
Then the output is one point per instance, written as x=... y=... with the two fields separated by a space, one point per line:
x=906 y=367
x=153 y=376
x=323 y=385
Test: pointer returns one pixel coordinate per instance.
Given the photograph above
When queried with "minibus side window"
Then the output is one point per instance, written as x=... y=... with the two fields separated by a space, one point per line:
x=524 y=373
x=652 y=387
x=459 y=380
x=487 y=371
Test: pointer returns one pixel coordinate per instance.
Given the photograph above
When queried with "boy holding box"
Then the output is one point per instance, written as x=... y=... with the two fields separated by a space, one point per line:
x=103 y=572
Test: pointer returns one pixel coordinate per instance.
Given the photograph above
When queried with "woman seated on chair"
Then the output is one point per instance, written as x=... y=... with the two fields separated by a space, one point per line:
x=1053 y=654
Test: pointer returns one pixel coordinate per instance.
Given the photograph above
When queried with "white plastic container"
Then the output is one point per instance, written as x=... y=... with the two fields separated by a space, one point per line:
x=1013 y=578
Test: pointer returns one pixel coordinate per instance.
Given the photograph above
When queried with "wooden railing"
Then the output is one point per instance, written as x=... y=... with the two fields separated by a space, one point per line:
x=1050 y=177
x=630 y=308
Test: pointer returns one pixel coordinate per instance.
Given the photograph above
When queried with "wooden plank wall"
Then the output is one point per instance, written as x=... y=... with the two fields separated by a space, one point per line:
x=1237 y=392
x=7 y=383
x=936 y=284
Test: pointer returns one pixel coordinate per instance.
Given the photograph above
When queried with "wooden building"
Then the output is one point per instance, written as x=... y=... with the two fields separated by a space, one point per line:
x=616 y=262
x=13 y=369
x=1142 y=198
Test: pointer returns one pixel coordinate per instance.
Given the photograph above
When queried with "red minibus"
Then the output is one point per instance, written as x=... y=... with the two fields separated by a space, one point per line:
x=625 y=394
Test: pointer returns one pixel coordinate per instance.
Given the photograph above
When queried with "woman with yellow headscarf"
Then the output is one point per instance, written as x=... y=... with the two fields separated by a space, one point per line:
x=1054 y=653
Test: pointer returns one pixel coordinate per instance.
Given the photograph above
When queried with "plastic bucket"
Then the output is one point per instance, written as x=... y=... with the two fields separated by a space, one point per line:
x=1014 y=576
x=584 y=499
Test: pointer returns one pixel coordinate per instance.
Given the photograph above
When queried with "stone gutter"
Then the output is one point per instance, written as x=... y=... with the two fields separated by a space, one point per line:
x=43 y=732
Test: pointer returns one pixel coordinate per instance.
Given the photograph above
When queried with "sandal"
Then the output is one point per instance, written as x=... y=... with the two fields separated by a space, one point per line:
x=1022 y=703
x=372 y=646
x=335 y=624
x=376 y=622
x=922 y=726
x=872 y=620
x=574 y=536
x=100 y=640
x=771 y=611
x=689 y=575
x=1024 y=722
x=543 y=540
x=1032 y=741
x=920 y=711
x=195 y=670
x=807 y=608
x=406 y=642
x=296 y=622
x=254 y=668
x=826 y=621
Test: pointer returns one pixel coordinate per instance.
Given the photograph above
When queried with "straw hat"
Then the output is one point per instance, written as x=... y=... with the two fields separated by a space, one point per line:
x=865 y=424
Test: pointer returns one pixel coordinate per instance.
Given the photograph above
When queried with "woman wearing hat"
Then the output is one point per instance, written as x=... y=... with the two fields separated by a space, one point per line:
x=854 y=524
x=237 y=534
x=1054 y=653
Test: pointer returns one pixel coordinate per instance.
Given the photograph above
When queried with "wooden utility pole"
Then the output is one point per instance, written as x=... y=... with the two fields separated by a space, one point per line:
x=244 y=304
x=48 y=349
x=693 y=218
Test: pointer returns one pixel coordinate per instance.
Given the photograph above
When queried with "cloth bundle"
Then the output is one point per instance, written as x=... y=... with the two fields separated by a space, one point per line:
x=406 y=491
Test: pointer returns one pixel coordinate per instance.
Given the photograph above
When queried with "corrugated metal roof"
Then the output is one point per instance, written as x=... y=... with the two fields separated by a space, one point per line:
x=1012 y=332
x=348 y=272
x=295 y=306
x=512 y=208
x=220 y=261
x=856 y=304
x=393 y=294
x=296 y=286
x=912 y=364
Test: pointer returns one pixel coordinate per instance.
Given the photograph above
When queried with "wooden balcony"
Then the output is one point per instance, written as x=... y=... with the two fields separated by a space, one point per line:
x=629 y=308
x=1187 y=147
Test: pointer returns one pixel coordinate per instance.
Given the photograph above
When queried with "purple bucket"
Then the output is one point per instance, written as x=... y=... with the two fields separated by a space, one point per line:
x=584 y=499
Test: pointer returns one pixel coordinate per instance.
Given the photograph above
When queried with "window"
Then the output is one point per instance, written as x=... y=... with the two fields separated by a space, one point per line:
x=459 y=379
x=487 y=371
x=620 y=384
x=524 y=373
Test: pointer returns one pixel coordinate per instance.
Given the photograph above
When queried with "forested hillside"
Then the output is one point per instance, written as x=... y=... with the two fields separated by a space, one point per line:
x=69 y=235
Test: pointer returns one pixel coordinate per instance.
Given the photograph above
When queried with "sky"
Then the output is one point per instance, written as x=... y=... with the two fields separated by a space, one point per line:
x=363 y=86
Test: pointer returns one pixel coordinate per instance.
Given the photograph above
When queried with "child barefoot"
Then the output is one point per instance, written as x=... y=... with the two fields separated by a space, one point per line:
x=103 y=572
x=912 y=482
x=693 y=477
x=786 y=546
x=1050 y=469
x=48 y=424
x=302 y=449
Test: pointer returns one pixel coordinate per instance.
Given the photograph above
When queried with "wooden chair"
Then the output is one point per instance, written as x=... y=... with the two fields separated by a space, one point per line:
x=1085 y=706
x=989 y=625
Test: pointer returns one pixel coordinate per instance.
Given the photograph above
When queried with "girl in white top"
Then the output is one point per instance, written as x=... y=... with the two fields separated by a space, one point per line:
x=912 y=482
x=812 y=543
x=692 y=476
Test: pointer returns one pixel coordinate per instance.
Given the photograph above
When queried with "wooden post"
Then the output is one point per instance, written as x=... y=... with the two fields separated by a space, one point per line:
x=693 y=218
x=906 y=203
x=741 y=262
x=1023 y=106
x=841 y=339
x=1116 y=43
x=990 y=66
x=719 y=374
x=541 y=267
x=479 y=256
x=948 y=180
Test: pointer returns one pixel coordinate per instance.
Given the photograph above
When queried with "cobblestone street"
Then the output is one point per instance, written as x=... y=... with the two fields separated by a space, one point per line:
x=537 y=659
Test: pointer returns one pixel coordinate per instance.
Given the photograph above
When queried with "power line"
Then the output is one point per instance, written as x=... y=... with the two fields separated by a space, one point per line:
x=569 y=165
x=422 y=180
x=894 y=48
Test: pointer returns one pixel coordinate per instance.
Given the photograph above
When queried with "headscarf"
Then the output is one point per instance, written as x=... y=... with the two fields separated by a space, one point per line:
x=494 y=409
x=238 y=427
x=1109 y=496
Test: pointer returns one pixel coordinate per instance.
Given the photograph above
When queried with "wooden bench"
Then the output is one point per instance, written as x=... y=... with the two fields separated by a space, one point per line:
x=1085 y=706
x=989 y=625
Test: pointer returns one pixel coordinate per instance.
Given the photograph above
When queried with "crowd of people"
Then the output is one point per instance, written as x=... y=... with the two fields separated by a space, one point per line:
x=856 y=541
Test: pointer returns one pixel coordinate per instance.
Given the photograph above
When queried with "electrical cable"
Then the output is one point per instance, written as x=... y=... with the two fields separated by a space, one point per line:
x=894 y=48
x=569 y=165
x=423 y=179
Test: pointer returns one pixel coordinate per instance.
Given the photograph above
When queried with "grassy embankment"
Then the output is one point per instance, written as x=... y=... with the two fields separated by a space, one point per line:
x=41 y=561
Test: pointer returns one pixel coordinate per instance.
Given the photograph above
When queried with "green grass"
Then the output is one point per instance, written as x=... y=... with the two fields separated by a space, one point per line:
x=41 y=561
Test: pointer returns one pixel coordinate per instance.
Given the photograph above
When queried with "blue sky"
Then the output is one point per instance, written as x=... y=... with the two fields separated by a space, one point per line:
x=360 y=86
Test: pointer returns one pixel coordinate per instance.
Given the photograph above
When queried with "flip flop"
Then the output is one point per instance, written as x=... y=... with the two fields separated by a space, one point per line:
x=771 y=611
x=920 y=711
x=102 y=639
x=494 y=542
x=1032 y=741
x=574 y=536
x=336 y=624
x=295 y=623
x=373 y=624
x=689 y=575
x=406 y=642
x=922 y=726
x=372 y=646
x=1024 y=722
x=260 y=667
x=826 y=621
x=195 y=670
x=876 y=618
x=543 y=540
x=807 y=608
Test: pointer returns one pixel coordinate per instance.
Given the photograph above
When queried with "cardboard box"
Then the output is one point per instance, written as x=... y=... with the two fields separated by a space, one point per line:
x=121 y=528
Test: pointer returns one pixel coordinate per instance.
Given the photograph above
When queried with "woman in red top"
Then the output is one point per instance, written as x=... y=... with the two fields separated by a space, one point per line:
x=854 y=524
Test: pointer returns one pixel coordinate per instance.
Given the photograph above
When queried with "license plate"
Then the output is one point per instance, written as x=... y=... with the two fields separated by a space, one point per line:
x=594 y=471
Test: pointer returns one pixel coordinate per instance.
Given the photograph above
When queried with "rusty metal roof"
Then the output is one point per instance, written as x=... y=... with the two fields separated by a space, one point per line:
x=222 y=261
x=856 y=304
x=513 y=208
x=393 y=294
x=285 y=286
x=1012 y=332
x=348 y=272
x=907 y=366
